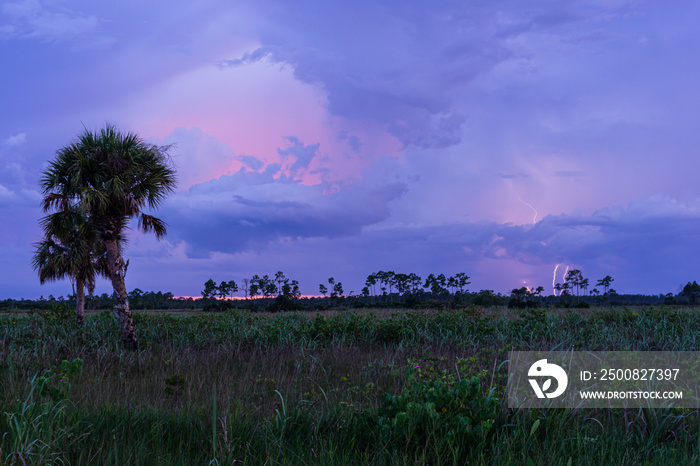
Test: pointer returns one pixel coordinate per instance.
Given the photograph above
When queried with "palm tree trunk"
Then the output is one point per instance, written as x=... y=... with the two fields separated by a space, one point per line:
x=80 y=301
x=117 y=270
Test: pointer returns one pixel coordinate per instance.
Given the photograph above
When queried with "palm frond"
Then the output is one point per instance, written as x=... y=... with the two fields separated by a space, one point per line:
x=55 y=200
x=150 y=223
x=71 y=247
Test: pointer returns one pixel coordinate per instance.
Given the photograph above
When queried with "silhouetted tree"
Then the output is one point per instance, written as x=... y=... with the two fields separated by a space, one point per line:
x=291 y=290
x=415 y=282
x=402 y=283
x=337 y=290
x=222 y=290
x=268 y=286
x=691 y=291
x=254 y=287
x=280 y=279
x=113 y=177
x=605 y=283
x=210 y=289
x=226 y=289
x=519 y=293
x=71 y=249
x=585 y=283
x=462 y=280
x=575 y=279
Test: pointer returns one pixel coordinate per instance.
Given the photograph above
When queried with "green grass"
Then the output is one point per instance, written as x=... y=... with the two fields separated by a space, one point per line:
x=324 y=388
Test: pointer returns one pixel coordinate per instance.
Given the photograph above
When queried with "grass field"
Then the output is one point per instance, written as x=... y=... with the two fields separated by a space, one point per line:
x=334 y=387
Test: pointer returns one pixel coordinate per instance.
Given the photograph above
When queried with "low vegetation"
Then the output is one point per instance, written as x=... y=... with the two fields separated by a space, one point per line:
x=335 y=387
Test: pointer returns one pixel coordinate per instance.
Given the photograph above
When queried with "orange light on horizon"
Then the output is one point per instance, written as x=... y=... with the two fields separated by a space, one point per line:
x=241 y=298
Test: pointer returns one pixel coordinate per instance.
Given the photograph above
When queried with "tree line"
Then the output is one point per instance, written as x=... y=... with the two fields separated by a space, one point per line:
x=418 y=298
x=264 y=286
x=412 y=285
x=410 y=290
x=575 y=282
x=389 y=287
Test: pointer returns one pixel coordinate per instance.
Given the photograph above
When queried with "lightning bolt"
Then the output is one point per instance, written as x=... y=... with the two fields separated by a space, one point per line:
x=534 y=219
x=554 y=277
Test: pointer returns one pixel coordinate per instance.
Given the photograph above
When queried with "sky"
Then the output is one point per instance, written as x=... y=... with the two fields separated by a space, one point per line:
x=502 y=139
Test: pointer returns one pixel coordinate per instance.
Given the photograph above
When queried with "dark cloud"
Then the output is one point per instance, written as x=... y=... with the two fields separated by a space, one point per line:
x=251 y=162
x=247 y=58
x=650 y=248
x=404 y=64
x=647 y=253
x=430 y=130
x=248 y=210
x=646 y=246
x=302 y=154
x=367 y=76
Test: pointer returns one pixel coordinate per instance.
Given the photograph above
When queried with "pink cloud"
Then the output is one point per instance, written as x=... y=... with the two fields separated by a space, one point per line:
x=253 y=109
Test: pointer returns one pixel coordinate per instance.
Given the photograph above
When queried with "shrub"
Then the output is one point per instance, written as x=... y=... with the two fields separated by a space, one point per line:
x=283 y=303
x=430 y=411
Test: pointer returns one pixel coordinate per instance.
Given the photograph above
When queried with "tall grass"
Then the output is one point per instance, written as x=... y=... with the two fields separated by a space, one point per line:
x=336 y=388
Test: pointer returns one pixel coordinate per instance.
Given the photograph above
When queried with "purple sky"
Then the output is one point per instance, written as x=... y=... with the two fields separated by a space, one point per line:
x=494 y=138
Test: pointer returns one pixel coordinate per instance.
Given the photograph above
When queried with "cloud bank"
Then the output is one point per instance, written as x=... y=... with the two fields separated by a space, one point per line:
x=249 y=209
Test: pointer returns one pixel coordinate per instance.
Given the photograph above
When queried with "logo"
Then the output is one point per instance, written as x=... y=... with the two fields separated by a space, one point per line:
x=543 y=369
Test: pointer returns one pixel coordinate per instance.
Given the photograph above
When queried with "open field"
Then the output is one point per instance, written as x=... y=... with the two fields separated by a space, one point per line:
x=492 y=311
x=334 y=387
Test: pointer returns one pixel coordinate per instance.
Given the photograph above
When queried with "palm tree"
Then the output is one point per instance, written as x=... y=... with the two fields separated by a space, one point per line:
x=575 y=278
x=462 y=280
x=113 y=177
x=371 y=283
x=605 y=283
x=585 y=283
x=70 y=249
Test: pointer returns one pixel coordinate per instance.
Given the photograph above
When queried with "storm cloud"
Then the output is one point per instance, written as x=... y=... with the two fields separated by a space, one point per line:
x=497 y=139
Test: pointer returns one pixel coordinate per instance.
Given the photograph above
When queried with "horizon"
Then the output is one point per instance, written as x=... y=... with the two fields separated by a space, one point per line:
x=504 y=142
x=352 y=293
